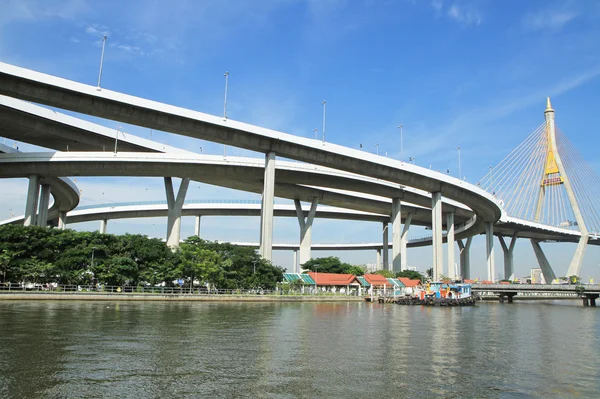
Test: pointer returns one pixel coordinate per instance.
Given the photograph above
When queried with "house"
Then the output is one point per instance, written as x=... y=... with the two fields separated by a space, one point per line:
x=410 y=285
x=333 y=282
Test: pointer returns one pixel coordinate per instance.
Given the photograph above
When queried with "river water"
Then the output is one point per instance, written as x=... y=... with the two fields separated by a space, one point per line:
x=292 y=350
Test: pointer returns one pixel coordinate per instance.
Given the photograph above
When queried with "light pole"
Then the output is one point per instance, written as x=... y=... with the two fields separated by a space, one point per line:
x=316 y=130
x=459 y=170
x=117 y=138
x=101 y=62
x=324 y=116
x=226 y=74
x=401 y=143
x=316 y=287
x=377 y=145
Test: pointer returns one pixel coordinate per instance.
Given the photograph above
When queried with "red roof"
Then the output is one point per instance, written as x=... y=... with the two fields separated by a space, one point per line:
x=469 y=281
x=332 y=278
x=377 y=279
x=409 y=282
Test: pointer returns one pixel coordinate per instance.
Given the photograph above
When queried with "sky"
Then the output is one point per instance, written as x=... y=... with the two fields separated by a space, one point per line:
x=470 y=73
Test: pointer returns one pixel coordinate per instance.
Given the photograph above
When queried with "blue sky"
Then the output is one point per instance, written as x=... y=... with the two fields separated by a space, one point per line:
x=473 y=74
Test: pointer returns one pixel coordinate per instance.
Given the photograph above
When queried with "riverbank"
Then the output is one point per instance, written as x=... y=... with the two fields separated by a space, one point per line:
x=90 y=296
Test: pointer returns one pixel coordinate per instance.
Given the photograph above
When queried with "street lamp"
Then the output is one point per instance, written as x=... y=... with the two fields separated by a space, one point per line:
x=459 y=171
x=101 y=62
x=324 y=115
x=316 y=272
x=401 y=143
x=117 y=138
x=226 y=74
x=377 y=145
x=316 y=130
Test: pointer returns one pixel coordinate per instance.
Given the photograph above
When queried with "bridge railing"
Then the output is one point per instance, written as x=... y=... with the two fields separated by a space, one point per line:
x=186 y=202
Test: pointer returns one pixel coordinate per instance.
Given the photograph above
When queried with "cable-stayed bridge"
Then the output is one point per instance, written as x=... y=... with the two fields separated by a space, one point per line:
x=536 y=193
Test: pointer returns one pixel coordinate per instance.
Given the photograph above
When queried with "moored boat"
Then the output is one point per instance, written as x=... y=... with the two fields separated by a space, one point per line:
x=441 y=294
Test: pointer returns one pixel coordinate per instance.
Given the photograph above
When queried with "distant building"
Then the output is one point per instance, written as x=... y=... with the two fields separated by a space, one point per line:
x=537 y=277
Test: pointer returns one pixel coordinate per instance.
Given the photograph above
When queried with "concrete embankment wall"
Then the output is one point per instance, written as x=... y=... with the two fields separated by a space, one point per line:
x=173 y=297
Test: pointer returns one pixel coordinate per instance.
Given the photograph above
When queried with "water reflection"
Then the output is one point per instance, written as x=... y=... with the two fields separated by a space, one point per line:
x=178 y=349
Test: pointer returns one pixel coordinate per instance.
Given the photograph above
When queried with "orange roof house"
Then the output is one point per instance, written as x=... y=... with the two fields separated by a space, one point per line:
x=377 y=280
x=333 y=279
x=409 y=282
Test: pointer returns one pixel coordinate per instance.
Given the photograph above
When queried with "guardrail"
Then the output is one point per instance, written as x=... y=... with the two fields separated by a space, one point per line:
x=536 y=287
x=196 y=291
x=186 y=202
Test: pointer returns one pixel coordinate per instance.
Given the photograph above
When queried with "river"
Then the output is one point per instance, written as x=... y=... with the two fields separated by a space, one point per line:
x=55 y=349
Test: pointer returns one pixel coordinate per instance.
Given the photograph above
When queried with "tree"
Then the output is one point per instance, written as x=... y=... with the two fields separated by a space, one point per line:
x=385 y=273
x=332 y=264
x=429 y=272
x=411 y=274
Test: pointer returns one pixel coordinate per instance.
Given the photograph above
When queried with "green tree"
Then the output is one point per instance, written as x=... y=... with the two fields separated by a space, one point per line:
x=411 y=274
x=385 y=273
x=332 y=264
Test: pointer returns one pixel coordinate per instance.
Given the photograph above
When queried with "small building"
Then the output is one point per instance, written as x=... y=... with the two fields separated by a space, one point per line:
x=334 y=282
x=410 y=285
x=536 y=276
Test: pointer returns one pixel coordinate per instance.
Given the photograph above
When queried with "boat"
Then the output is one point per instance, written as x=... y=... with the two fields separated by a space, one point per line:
x=441 y=294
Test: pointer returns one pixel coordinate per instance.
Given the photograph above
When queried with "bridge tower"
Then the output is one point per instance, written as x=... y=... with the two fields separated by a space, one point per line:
x=554 y=174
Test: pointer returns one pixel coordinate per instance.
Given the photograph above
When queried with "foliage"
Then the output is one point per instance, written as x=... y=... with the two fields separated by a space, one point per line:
x=385 y=273
x=574 y=279
x=429 y=272
x=332 y=264
x=411 y=274
x=42 y=255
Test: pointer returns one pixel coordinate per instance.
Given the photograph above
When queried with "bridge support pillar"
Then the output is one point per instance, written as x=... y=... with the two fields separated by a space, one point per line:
x=175 y=205
x=103 y=224
x=197 y=226
x=509 y=272
x=489 y=249
x=62 y=220
x=508 y=296
x=404 y=241
x=547 y=271
x=306 y=228
x=386 y=250
x=575 y=265
x=378 y=265
x=450 y=244
x=465 y=258
x=42 y=218
x=295 y=266
x=436 y=228
x=266 y=210
x=396 y=235
x=33 y=192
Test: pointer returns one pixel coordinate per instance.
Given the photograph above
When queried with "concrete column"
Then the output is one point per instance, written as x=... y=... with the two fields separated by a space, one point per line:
x=436 y=228
x=42 y=218
x=465 y=258
x=386 y=251
x=33 y=192
x=547 y=271
x=396 y=235
x=378 y=265
x=266 y=211
x=489 y=250
x=197 y=226
x=175 y=205
x=62 y=220
x=103 y=225
x=450 y=244
x=404 y=241
x=306 y=228
x=295 y=267
x=508 y=250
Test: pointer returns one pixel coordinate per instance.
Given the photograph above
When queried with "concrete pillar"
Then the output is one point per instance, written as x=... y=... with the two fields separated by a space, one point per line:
x=197 y=226
x=396 y=235
x=42 y=217
x=465 y=258
x=436 y=228
x=62 y=220
x=266 y=211
x=404 y=241
x=378 y=265
x=450 y=244
x=547 y=271
x=509 y=272
x=306 y=228
x=489 y=250
x=386 y=251
x=103 y=224
x=295 y=266
x=175 y=205
x=33 y=192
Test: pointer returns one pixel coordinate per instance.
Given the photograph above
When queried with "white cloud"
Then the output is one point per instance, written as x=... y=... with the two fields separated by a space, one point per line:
x=464 y=15
x=548 y=19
